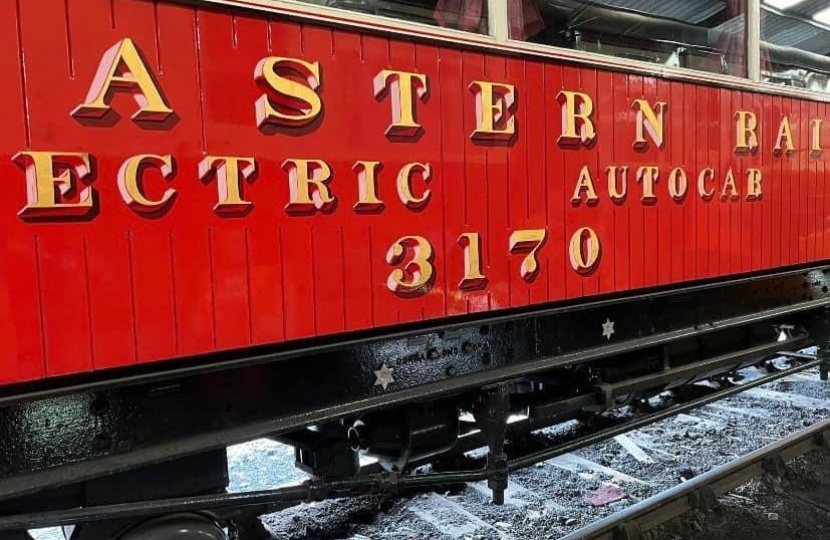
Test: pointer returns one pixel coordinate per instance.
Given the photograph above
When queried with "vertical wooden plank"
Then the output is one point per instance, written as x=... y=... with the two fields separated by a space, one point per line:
x=61 y=260
x=724 y=198
x=714 y=221
x=764 y=110
x=742 y=209
x=702 y=161
x=675 y=143
x=454 y=96
x=495 y=69
x=328 y=260
x=229 y=263
x=111 y=309
x=620 y=211
x=353 y=233
x=692 y=142
x=801 y=133
x=592 y=215
x=556 y=181
x=777 y=224
x=433 y=304
x=520 y=167
x=192 y=271
x=151 y=260
x=575 y=158
x=756 y=232
x=533 y=97
x=636 y=222
x=651 y=213
x=812 y=184
x=605 y=210
x=789 y=229
x=476 y=182
x=298 y=285
x=667 y=252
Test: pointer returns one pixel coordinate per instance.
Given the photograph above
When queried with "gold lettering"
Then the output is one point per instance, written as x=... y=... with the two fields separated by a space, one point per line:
x=729 y=185
x=648 y=176
x=678 y=184
x=785 y=134
x=617 y=195
x=405 y=185
x=415 y=276
x=707 y=173
x=530 y=241
x=402 y=85
x=131 y=186
x=308 y=185
x=44 y=190
x=293 y=104
x=584 y=250
x=473 y=276
x=577 y=108
x=367 y=186
x=229 y=172
x=587 y=184
x=648 y=122
x=753 y=185
x=747 y=137
x=123 y=69
x=494 y=103
x=815 y=137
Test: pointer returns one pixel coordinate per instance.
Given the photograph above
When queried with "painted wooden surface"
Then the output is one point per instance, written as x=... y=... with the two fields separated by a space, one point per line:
x=119 y=288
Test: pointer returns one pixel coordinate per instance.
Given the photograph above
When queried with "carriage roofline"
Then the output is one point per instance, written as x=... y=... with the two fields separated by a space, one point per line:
x=302 y=11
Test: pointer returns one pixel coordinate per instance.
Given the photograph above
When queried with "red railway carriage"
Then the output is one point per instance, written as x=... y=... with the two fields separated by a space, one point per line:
x=231 y=219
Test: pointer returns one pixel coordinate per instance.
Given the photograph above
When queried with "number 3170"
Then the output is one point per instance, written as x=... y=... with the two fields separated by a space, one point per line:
x=413 y=258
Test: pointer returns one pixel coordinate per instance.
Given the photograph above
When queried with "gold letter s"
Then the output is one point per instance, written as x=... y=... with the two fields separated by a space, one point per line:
x=302 y=101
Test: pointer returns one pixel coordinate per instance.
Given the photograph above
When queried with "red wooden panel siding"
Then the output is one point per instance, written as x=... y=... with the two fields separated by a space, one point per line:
x=118 y=287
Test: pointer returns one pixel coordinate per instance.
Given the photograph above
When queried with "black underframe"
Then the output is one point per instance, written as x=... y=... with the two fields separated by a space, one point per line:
x=80 y=429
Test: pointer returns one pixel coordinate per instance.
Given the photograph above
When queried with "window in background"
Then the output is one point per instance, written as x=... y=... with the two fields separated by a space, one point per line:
x=708 y=35
x=795 y=43
x=467 y=15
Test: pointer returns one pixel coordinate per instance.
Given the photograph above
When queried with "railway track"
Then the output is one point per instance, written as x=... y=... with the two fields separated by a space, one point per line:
x=702 y=490
x=581 y=485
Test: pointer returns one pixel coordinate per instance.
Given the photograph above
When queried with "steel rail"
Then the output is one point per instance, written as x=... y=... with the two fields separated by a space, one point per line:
x=550 y=453
x=384 y=483
x=649 y=513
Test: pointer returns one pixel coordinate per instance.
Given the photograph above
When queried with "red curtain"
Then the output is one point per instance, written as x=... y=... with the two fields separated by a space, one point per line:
x=525 y=19
x=460 y=14
x=523 y=15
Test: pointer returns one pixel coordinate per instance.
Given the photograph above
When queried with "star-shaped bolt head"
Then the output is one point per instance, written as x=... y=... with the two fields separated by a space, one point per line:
x=608 y=329
x=384 y=376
